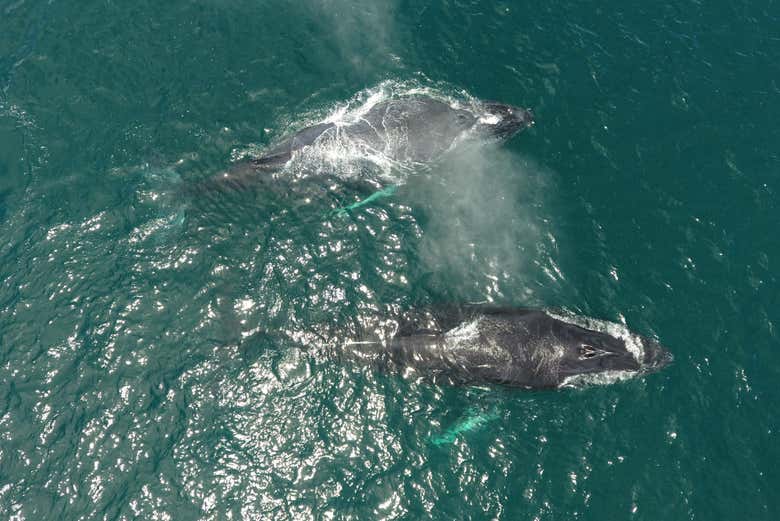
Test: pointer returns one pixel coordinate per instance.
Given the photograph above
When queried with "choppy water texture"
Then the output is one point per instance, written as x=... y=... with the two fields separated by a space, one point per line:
x=164 y=356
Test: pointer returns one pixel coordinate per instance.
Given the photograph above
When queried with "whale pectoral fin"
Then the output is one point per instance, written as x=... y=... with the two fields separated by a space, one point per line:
x=473 y=420
x=345 y=210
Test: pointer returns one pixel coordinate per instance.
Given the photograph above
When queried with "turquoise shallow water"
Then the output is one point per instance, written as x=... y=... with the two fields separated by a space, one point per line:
x=137 y=378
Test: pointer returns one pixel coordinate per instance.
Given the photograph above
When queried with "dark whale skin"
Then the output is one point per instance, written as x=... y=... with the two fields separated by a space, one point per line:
x=518 y=347
x=416 y=129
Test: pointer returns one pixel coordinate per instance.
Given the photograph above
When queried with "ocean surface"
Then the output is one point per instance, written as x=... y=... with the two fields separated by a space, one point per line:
x=168 y=355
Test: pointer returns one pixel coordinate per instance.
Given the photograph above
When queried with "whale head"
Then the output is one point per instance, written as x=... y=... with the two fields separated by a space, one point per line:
x=590 y=356
x=502 y=121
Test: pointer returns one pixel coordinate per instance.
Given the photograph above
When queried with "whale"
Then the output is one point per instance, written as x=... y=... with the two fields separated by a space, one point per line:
x=517 y=347
x=413 y=129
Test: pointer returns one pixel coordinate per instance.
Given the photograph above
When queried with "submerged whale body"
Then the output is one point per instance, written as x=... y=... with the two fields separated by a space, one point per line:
x=527 y=348
x=409 y=129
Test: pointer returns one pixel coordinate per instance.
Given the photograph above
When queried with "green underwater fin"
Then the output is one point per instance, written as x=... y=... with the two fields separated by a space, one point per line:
x=472 y=421
x=385 y=192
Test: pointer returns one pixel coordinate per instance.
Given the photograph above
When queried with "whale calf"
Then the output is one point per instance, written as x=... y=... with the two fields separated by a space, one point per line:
x=410 y=129
x=527 y=348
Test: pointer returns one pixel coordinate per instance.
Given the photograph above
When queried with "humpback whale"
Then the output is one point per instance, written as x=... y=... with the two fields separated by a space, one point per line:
x=527 y=348
x=410 y=129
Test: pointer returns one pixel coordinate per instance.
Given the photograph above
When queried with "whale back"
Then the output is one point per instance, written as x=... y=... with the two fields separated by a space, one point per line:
x=282 y=152
x=417 y=129
x=410 y=130
x=514 y=347
x=520 y=347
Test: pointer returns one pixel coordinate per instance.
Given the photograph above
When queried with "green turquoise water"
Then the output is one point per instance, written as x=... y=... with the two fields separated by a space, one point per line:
x=166 y=356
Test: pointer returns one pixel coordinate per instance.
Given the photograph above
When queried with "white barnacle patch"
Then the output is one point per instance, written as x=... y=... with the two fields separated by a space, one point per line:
x=489 y=119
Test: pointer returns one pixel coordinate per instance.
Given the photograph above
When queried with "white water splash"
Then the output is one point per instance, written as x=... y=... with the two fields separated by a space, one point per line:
x=465 y=333
x=602 y=378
